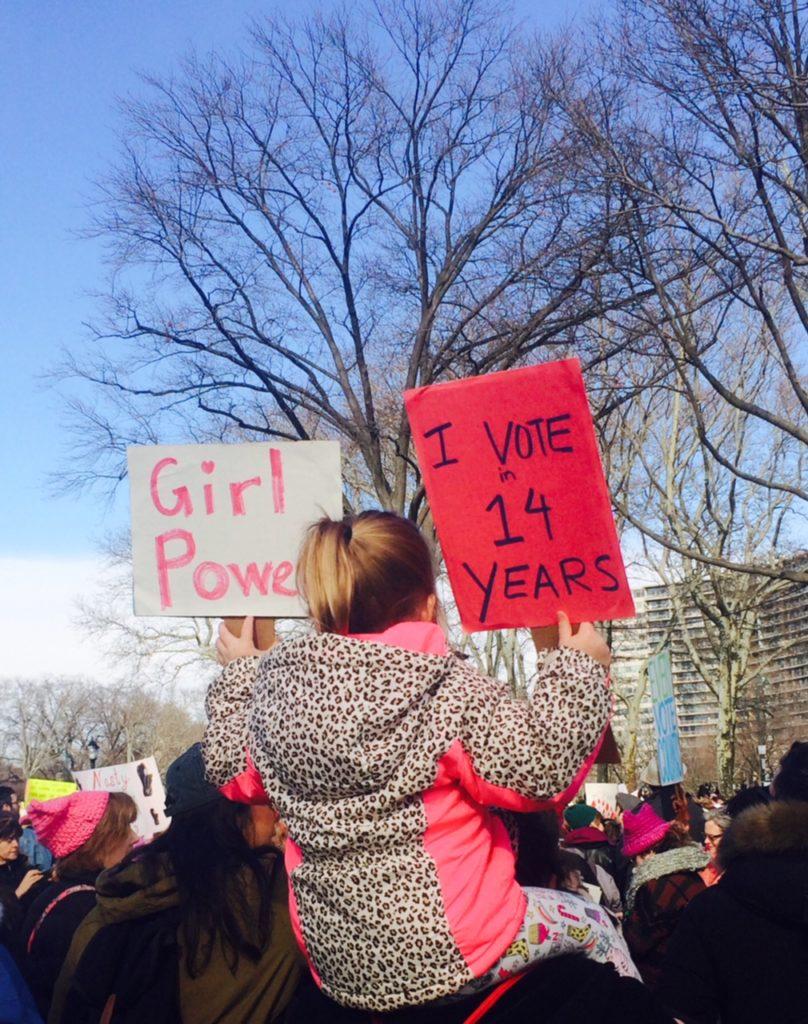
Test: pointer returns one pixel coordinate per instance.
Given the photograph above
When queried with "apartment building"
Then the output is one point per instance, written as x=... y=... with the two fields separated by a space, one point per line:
x=774 y=708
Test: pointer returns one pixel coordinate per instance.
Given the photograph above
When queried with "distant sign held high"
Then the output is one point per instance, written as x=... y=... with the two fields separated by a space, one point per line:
x=517 y=491
x=216 y=528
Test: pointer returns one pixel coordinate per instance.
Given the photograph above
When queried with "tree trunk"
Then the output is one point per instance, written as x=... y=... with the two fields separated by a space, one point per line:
x=725 y=747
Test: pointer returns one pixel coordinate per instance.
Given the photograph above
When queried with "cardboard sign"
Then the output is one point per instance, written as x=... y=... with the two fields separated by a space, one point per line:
x=517 y=492
x=216 y=528
x=666 y=726
x=141 y=780
x=603 y=797
x=47 y=789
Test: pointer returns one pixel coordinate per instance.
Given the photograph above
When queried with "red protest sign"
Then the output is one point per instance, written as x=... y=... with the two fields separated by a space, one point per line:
x=517 y=491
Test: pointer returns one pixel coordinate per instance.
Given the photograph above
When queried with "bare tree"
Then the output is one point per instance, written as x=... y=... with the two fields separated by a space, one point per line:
x=46 y=725
x=699 y=129
x=157 y=651
x=345 y=214
x=707 y=518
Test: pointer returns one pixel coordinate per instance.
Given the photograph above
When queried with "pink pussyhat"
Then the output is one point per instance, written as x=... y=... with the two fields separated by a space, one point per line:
x=642 y=829
x=66 y=822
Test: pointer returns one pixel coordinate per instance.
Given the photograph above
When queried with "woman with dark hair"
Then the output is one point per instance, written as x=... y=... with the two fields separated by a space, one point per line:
x=665 y=879
x=19 y=882
x=193 y=927
x=86 y=833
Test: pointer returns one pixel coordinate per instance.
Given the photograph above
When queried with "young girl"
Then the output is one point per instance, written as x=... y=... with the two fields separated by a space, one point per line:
x=384 y=753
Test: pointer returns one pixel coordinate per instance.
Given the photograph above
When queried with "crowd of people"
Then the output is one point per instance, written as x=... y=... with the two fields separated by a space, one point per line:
x=372 y=829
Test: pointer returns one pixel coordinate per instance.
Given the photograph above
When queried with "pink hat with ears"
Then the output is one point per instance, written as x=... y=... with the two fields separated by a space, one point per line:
x=642 y=829
x=66 y=822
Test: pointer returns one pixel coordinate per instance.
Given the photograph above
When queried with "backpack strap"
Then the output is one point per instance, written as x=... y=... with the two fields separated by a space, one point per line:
x=56 y=900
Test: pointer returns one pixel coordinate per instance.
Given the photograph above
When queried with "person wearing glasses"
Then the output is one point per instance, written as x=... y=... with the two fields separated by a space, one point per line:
x=714 y=828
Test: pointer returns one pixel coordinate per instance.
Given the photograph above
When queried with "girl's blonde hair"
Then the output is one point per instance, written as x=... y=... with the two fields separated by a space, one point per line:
x=364 y=573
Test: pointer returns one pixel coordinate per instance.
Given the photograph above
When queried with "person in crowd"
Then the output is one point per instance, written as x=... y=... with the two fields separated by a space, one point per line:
x=791 y=780
x=750 y=796
x=663 y=799
x=587 y=838
x=664 y=880
x=86 y=833
x=626 y=802
x=714 y=828
x=193 y=927
x=35 y=853
x=19 y=882
x=383 y=752
x=9 y=801
x=740 y=951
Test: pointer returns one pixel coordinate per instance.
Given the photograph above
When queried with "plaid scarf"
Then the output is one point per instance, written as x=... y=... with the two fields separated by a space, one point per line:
x=685 y=858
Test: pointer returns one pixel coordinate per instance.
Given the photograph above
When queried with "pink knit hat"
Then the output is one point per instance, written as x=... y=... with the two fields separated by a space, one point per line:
x=66 y=822
x=642 y=829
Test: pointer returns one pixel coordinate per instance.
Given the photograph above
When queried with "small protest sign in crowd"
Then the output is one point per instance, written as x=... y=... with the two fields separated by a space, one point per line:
x=371 y=826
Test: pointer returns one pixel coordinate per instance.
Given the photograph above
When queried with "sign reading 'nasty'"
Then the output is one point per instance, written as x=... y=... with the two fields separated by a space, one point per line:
x=518 y=495
x=216 y=528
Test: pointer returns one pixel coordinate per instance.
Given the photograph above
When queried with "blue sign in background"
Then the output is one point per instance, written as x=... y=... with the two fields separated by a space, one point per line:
x=669 y=753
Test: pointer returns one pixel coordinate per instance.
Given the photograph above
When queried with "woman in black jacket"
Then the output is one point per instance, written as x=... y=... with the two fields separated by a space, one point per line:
x=19 y=882
x=740 y=951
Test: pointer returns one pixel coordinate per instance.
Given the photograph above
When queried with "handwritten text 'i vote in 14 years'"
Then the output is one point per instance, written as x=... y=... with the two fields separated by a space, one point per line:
x=212 y=580
x=517 y=579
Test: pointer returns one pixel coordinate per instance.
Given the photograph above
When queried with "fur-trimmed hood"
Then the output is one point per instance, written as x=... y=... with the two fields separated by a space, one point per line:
x=780 y=827
x=765 y=854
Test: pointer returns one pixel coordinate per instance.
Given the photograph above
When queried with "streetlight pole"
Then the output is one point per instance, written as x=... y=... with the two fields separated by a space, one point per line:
x=92 y=750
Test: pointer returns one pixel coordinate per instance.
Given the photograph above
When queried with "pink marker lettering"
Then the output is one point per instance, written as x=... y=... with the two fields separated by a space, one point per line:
x=278 y=492
x=183 y=502
x=221 y=581
x=237 y=490
x=164 y=565
x=282 y=574
x=251 y=577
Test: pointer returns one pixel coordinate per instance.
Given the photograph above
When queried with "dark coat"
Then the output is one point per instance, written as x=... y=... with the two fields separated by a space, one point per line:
x=740 y=952
x=14 y=909
x=568 y=989
x=127 y=957
x=67 y=902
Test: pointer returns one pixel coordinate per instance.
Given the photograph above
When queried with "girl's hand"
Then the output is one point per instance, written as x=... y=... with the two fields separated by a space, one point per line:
x=229 y=646
x=29 y=880
x=587 y=639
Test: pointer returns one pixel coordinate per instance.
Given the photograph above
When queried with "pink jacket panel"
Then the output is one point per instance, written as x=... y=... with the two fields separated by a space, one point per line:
x=472 y=852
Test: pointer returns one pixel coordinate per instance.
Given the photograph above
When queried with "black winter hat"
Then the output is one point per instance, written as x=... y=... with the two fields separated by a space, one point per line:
x=186 y=786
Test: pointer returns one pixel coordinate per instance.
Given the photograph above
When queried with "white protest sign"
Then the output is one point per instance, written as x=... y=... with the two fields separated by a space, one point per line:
x=141 y=780
x=216 y=528
x=603 y=797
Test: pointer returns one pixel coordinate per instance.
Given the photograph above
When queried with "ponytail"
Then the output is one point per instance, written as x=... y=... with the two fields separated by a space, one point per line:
x=365 y=573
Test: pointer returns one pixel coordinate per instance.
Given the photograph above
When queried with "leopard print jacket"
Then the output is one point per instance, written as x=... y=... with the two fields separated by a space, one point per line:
x=348 y=737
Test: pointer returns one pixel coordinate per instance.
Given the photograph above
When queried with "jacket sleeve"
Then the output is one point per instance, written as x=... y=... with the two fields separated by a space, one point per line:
x=516 y=752
x=227 y=706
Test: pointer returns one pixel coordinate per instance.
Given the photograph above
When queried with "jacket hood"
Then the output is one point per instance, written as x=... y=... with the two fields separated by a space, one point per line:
x=136 y=889
x=780 y=827
x=588 y=836
x=765 y=856
x=377 y=707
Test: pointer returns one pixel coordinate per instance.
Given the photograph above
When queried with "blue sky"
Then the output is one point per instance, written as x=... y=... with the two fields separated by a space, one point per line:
x=62 y=66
